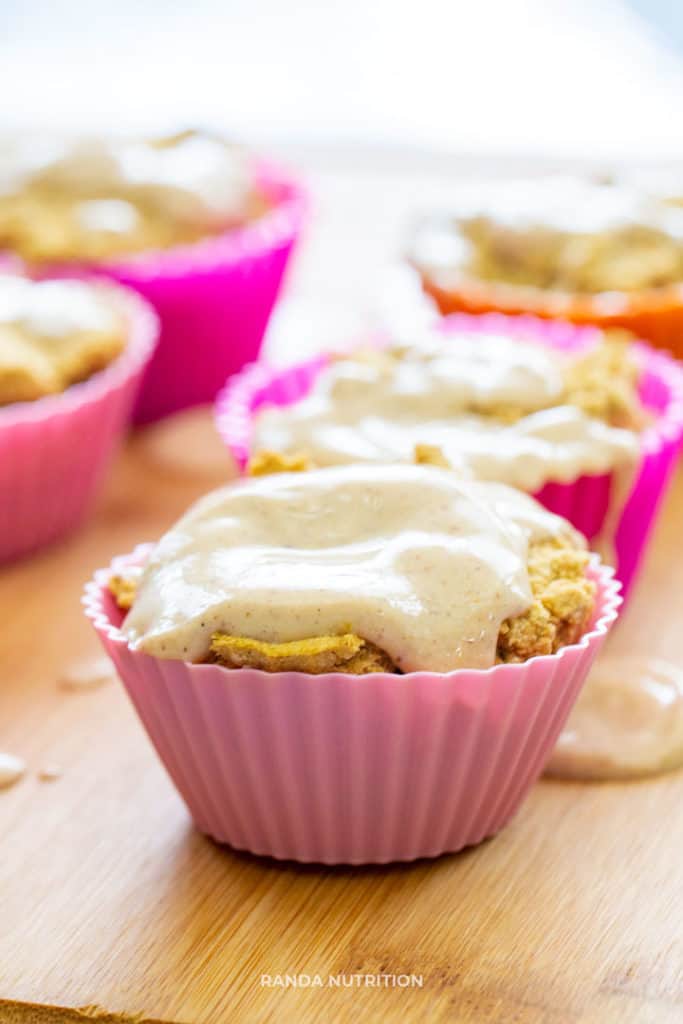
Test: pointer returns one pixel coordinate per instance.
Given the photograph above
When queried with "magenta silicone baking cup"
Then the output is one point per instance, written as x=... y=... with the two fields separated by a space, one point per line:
x=343 y=769
x=584 y=501
x=55 y=451
x=214 y=298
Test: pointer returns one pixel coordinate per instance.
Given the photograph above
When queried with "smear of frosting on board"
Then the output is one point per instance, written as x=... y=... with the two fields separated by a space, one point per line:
x=87 y=674
x=627 y=722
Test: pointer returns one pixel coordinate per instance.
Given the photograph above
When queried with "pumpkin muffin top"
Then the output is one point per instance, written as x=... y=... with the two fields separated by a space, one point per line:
x=559 y=234
x=54 y=334
x=95 y=199
x=358 y=569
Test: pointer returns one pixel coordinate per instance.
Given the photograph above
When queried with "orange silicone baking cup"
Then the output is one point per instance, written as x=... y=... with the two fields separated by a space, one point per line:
x=655 y=315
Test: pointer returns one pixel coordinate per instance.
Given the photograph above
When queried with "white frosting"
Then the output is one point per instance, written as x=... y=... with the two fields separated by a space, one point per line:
x=54 y=309
x=627 y=722
x=114 y=215
x=438 y=393
x=420 y=563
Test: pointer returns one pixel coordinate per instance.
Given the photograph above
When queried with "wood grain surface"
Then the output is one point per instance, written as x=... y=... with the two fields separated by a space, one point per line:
x=111 y=904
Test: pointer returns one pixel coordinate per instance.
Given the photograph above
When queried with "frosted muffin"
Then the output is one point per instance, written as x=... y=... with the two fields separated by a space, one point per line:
x=72 y=354
x=399 y=568
x=54 y=334
x=201 y=228
x=90 y=200
x=556 y=247
x=355 y=664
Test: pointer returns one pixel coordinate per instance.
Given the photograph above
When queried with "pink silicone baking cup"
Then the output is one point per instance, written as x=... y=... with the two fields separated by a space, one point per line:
x=345 y=769
x=214 y=298
x=55 y=451
x=584 y=502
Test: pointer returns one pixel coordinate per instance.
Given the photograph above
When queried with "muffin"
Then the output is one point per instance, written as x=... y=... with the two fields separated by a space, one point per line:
x=604 y=254
x=72 y=354
x=358 y=663
x=589 y=424
x=190 y=221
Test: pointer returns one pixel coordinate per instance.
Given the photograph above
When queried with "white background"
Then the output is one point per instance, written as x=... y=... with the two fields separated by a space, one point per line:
x=559 y=77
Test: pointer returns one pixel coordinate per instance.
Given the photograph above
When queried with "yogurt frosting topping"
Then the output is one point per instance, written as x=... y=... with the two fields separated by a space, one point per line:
x=422 y=564
x=54 y=310
x=451 y=392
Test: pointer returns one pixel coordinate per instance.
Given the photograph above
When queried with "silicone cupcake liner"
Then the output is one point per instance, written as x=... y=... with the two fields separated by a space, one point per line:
x=583 y=501
x=214 y=299
x=655 y=315
x=351 y=769
x=55 y=451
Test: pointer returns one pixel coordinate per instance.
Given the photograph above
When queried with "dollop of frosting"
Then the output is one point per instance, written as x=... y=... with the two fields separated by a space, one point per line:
x=54 y=309
x=422 y=564
x=627 y=722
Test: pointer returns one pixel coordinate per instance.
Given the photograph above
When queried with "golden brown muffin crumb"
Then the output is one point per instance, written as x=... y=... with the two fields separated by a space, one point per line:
x=265 y=462
x=564 y=599
x=26 y=373
x=123 y=591
x=604 y=382
x=83 y=355
x=531 y=632
x=430 y=455
x=347 y=653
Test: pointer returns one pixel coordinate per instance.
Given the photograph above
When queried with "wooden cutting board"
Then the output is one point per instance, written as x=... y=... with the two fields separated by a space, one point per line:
x=112 y=903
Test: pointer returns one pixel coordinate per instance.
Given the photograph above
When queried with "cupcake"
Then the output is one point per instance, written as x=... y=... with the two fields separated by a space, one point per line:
x=191 y=222
x=590 y=425
x=604 y=254
x=355 y=664
x=72 y=354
